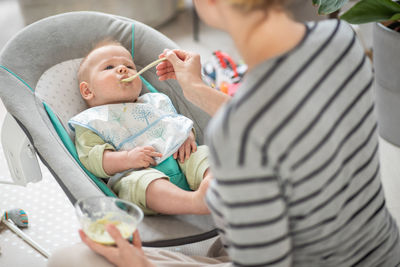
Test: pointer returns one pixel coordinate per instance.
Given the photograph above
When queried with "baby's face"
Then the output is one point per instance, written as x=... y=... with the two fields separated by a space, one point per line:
x=106 y=67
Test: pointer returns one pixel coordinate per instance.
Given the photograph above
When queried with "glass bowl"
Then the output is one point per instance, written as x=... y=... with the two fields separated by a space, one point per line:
x=94 y=213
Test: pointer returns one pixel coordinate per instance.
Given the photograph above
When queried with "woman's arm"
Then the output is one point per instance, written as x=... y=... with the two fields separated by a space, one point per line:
x=185 y=67
x=206 y=98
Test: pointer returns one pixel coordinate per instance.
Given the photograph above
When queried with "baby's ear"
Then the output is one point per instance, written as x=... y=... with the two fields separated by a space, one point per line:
x=86 y=93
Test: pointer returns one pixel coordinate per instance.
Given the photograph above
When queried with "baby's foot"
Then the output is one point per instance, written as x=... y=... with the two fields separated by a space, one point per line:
x=206 y=173
x=199 y=197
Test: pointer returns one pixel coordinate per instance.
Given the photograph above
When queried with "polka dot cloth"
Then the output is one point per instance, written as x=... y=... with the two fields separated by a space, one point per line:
x=52 y=220
x=58 y=87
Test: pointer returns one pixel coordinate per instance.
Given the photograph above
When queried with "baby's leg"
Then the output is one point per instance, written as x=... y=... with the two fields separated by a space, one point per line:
x=206 y=173
x=133 y=187
x=165 y=197
x=154 y=193
x=196 y=168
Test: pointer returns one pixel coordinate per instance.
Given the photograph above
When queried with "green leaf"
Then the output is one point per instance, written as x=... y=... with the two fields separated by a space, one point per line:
x=329 y=6
x=395 y=17
x=371 y=11
x=316 y=2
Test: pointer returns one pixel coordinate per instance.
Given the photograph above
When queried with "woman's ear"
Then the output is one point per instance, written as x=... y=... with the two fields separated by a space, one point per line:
x=85 y=90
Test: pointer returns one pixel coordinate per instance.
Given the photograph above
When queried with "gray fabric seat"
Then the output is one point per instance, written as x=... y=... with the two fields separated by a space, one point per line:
x=69 y=37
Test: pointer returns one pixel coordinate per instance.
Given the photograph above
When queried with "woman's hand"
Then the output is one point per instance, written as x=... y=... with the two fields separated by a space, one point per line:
x=181 y=65
x=185 y=67
x=143 y=157
x=124 y=254
x=187 y=148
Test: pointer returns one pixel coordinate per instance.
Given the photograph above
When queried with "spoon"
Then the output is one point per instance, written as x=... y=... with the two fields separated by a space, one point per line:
x=152 y=64
x=18 y=217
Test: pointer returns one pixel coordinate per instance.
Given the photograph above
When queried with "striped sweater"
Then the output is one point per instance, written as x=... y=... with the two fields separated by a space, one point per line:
x=295 y=160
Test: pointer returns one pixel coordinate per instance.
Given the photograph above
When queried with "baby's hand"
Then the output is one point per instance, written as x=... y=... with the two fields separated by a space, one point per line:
x=143 y=157
x=187 y=148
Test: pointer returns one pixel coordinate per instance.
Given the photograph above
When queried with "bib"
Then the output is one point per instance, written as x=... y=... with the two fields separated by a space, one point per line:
x=150 y=121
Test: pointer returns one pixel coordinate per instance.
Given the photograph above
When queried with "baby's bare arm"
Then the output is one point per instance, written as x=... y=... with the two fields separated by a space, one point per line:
x=137 y=158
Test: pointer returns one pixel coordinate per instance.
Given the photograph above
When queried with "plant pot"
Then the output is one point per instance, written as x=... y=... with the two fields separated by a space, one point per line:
x=387 y=82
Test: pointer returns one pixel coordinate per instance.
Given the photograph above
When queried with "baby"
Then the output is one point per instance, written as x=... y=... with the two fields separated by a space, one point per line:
x=141 y=137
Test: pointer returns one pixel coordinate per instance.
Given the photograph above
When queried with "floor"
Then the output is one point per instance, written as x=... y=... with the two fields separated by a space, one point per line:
x=52 y=221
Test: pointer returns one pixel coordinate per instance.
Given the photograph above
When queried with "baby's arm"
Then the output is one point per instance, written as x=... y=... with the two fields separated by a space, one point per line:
x=187 y=148
x=139 y=157
x=90 y=148
x=101 y=159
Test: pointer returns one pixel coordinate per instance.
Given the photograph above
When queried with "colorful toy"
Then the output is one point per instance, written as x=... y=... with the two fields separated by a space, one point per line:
x=18 y=217
x=223 y=73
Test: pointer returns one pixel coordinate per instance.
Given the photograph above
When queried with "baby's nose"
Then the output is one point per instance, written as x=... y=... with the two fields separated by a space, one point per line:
x=122 y=69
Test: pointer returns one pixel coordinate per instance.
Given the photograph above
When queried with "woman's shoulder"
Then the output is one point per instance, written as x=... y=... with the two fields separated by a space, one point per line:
x=327 y=43
x=333 y=32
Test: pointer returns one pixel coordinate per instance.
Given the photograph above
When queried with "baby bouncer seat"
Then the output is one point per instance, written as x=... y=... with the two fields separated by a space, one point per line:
x=39 y=88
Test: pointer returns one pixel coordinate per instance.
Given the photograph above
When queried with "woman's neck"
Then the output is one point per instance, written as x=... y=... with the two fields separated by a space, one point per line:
x=260 y=37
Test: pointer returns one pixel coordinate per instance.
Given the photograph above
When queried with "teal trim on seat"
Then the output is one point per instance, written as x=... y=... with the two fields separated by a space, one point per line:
x=148 y=85
x=62 y=133
x=16 y=76
x=133 y=41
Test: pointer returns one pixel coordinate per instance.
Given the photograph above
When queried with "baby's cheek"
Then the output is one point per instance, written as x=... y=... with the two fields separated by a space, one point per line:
x=138 y=84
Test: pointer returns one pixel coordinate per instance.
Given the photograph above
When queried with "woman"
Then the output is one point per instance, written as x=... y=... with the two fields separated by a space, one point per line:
x=293 y=153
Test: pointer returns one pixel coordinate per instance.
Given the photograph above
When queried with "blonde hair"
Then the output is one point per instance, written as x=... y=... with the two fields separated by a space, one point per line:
x=251 y=5
x=104 y=42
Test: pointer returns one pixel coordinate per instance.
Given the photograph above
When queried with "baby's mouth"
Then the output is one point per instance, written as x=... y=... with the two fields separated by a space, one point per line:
x=124 y=77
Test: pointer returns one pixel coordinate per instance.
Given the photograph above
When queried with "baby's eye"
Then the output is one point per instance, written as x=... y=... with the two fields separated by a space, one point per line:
x=130 y=67
x=109 y=67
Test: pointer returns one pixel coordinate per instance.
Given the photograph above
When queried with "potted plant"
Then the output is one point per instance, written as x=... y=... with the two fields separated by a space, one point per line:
x=386 y=55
